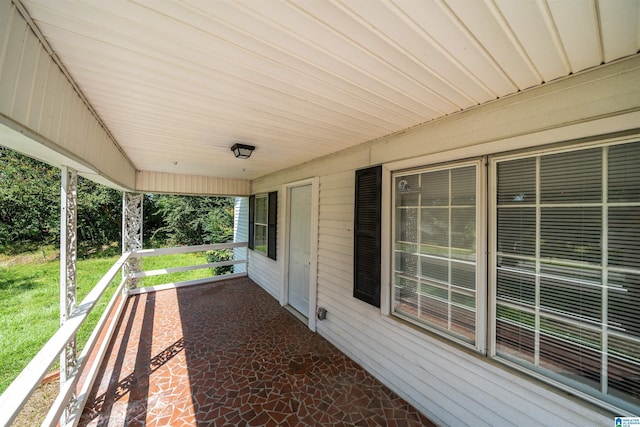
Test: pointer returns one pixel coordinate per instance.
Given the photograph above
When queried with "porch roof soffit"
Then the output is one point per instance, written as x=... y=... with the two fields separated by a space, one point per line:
x=177 y=84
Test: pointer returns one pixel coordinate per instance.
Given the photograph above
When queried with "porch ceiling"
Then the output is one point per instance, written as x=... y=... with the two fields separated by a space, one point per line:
x=178 y=83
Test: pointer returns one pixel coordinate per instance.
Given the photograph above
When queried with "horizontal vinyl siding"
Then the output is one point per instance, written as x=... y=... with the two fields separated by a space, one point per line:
x=38 y=100
x=449 y=384
x=265 y=272
x=162 y=182
x=414 y=364
x=240 y=231
x=335 y=239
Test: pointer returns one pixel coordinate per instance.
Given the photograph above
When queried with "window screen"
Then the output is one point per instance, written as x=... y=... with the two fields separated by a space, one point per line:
x=568 y=268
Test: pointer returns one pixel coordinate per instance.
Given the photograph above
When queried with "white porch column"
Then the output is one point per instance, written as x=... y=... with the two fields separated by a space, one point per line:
x=68 y=257
x=132 y=233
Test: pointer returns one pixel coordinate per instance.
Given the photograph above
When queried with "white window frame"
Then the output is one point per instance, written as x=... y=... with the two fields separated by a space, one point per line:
x=257 y=224
x=612 y=403
x=481 y=264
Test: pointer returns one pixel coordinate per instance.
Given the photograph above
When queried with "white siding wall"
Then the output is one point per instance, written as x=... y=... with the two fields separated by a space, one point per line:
x=162 y=182
x=38 y=100
x=265 y=272
x=240 y=231
x=335 y=240
x=451 y=385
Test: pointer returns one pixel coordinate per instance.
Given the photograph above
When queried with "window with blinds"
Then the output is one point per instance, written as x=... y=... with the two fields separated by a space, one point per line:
x=435 y=258
x=567 y=291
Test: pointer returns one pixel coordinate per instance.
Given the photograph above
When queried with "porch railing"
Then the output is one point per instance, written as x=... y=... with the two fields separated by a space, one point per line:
x=187 y=249
x=17 y=394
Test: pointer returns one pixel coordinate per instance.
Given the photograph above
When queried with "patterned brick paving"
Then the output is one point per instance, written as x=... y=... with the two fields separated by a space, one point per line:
x=227 y=354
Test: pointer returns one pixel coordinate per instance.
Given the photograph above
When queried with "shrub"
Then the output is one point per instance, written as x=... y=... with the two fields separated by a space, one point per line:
x=220 y=256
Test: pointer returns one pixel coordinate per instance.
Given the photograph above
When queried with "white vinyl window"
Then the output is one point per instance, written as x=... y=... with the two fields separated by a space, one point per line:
x=435 y=269
x=567 y=268
x=261 y=225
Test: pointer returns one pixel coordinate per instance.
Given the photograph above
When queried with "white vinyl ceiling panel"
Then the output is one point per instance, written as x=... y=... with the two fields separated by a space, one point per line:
x=489 y=27
x=577 y=24
x=178 y=82
x=441 y=76
x=536 y=33
x=444 y=29
x=619 y=20
x=321 y=48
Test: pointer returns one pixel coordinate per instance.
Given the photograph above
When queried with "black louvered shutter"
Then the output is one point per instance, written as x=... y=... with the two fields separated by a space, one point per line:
x=272 y=225
x=366 y=269
x=252 y=221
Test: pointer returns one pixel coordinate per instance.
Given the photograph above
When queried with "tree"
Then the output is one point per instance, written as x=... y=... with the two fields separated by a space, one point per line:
x=99 y=213
x=30 y=204
x=152 y=222
x=195 y=220
x=29 y=200
x=30 y=210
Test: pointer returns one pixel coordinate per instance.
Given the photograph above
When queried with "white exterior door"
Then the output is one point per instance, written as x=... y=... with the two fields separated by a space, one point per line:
x=299 y=248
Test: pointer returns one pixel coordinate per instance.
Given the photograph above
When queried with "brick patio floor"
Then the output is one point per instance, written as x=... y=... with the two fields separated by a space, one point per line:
x=226 y=354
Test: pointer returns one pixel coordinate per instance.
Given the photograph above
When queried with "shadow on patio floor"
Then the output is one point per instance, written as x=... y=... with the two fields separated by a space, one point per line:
x=228 y=354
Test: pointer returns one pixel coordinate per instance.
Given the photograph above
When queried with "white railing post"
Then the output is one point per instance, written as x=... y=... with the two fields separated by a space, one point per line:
x=132 y=235
x=68 y=258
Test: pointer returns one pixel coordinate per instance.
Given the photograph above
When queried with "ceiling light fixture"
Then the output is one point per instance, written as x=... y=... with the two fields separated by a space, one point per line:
x=242 y=151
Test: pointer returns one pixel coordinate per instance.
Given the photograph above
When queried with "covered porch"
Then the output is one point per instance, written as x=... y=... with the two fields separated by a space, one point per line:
x=453 y=186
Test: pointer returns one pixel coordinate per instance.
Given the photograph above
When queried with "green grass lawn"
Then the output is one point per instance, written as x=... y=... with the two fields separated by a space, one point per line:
x=30 y=302
x=168 y=261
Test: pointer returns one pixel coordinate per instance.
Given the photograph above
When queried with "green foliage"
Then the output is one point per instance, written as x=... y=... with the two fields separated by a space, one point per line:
x=195 y=220
x=152 y=222
x=219 y=256
x=30 y=205
x=30 y=211
x=29 y=199
x=99 y=213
